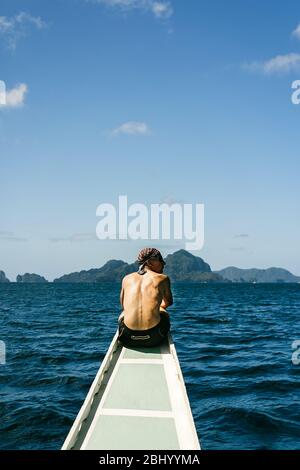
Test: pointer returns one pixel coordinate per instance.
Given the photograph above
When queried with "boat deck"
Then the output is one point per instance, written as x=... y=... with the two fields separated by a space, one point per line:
x=137 y=401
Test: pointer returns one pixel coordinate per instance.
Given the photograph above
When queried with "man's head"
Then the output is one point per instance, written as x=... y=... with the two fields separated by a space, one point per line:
x=152 y=258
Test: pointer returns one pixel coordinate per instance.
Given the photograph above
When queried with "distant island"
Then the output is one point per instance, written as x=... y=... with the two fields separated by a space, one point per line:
x=27 y=277
x=181 y=266
x=3 y=278
x=258 y=275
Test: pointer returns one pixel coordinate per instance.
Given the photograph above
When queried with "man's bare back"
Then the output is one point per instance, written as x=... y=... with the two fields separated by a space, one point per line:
x=143 y=298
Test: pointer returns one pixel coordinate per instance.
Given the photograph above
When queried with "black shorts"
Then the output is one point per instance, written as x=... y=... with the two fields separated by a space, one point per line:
x=151 y=337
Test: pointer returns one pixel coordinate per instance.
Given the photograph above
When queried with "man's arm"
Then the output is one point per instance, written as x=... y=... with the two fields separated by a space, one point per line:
x=122 y=295
x=122 y=301
x=167 y=294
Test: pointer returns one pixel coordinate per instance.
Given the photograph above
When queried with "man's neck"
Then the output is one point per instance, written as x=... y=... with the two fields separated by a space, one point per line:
x=147 y=269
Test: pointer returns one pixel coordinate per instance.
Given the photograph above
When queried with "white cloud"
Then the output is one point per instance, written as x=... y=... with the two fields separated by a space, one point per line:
x=10 y=237
x=5 y=24
x=281 y=63
x=24 y=17
x=296 y=32
x=160 y=9
x=76 y=237
x=15 y=97
x=132 y=128
x=14 y=27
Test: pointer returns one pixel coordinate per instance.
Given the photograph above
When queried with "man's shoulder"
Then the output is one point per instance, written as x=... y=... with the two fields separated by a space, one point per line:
x=129 y=276
x=163 y=277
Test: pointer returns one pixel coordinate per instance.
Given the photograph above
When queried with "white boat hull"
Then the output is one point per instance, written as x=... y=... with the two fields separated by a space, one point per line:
x=137 y=400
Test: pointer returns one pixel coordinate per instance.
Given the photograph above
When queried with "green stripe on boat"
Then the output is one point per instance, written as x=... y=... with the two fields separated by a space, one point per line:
x=138 y=400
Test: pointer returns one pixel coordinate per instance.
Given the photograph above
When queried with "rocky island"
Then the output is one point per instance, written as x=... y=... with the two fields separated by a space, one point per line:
x=3 y=278
x=181 y=266
x=27 y=277
x=234 y=274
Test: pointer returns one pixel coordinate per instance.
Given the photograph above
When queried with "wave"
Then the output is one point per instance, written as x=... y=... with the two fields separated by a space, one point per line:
x=234 y=348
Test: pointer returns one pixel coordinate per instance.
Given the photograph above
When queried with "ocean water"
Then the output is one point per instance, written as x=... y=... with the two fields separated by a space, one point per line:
x=233 y=342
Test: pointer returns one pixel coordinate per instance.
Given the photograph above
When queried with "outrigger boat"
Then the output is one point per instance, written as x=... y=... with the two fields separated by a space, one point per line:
x=137 y=400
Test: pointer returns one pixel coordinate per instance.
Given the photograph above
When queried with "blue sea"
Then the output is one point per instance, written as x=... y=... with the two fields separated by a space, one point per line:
x=233 y=342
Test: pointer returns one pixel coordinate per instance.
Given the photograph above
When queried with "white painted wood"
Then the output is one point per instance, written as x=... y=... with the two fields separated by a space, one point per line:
x=185 y=426
x=84 y=410
x=100 y=406
x=142 y=413
x=141 y=361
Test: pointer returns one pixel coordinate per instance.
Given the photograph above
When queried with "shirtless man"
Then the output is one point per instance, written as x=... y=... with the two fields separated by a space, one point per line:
x=144 y=297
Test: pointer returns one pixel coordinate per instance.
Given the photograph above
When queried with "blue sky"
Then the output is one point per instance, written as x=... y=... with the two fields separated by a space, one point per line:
x=156 y=100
